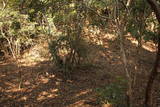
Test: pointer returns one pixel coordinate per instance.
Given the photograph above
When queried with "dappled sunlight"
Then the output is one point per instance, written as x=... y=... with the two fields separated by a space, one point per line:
x=27 y=82
x=40 y=85
x=149 y=46
x=79 y=103
x=10 y=84
x=38 y=53
x=83 y=92
x=110 y=36
x=24 y=98
x=79 y=53
x=43 y=80
x=98 y=37
x=44 y=84
x=47 y=94
x=15 y=90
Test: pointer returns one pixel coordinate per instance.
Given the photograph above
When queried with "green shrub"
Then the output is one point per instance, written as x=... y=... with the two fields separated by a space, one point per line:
x=114 y=93
x=17 y=30
x=69 y=51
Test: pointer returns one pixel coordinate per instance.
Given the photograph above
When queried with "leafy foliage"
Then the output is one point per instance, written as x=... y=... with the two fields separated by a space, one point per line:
x=16 y=29
x=68 y=52
x=64 y=22
x=114 y=93
x=140 y=22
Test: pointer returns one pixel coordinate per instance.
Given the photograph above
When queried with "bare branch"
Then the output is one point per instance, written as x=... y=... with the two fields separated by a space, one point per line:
x=129 y=3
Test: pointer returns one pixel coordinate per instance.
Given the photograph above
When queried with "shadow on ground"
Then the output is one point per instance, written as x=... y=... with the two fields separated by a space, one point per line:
x=43 y=85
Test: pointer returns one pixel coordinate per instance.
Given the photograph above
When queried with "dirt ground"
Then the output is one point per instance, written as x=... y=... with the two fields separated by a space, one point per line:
x=43 y=85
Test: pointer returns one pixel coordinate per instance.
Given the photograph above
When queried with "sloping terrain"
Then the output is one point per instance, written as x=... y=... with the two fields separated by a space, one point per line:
x=38 y=83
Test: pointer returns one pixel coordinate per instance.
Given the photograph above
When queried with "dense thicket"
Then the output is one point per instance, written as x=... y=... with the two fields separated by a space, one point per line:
x=67 y=25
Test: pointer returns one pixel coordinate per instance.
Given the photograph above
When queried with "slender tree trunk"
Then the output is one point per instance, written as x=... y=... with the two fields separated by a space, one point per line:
x=156 y=8
x=129 y=3
x=152 y=78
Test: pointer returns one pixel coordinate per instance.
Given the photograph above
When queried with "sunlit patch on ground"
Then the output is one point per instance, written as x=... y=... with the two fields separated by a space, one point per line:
x=45 y=95
x=83 y=93
x=78 y=104
x=43 y=84
x=150 y=46
x=24 y=98
x=36 y=54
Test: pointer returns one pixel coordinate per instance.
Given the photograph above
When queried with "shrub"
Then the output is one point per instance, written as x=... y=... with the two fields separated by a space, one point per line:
x=69 y=51
x=114 y=93
x=16 y=30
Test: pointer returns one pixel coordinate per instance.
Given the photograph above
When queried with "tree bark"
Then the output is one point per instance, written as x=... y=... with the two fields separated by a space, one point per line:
x=152 y=77
x=129 y=3
x=156 y=8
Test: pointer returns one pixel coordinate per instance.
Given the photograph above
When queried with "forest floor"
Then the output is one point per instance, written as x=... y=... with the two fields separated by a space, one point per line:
x=43 y=85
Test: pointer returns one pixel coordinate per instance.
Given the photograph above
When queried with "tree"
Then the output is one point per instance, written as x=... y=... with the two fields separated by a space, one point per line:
x=156 y=8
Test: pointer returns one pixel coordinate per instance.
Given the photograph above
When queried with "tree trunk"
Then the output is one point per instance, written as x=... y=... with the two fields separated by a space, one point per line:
x=152 y=78
x=156 y=8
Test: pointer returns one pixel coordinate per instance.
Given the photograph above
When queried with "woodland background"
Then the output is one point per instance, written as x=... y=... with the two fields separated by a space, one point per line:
x=80 y=53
